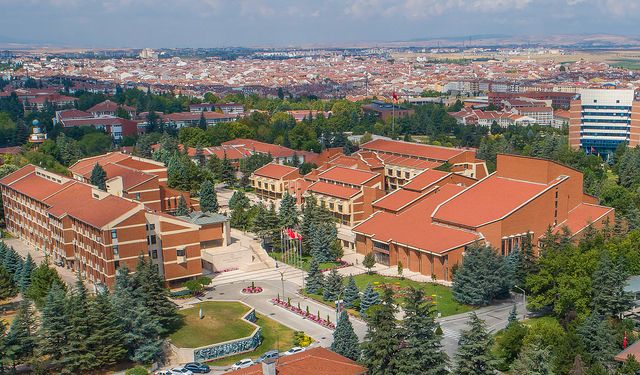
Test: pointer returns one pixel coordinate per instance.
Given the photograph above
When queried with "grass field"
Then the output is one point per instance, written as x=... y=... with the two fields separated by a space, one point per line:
x=274 y=336
x=222 y=322
x=444 y=302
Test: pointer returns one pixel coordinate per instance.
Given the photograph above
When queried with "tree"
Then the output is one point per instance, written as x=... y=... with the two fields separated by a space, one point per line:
x=509 y=344
x=107 y=338
x=369 y=298
x=481 y=277
x=382 y=342
x=240 y=214
x=288 y=213
x=513 y=316
x=578 y=367
x=369 y=261
x=7 y=286
x=227 y=173
x=238 y=198
x=315 y=278
x=345 y=340
x=77 y=356
x=202 y=124
x=145 y=337
x=182 y=209
x=24 y=280
x=421 y=352
x=533 y=361
x=351 y=293
x=266 y=223
x=99 y=177
x=20 y=340
x=598 y=340
x=208 y=197
x=332 y=286
x=609 y=280
x=42 y=280
x=52 y=335
x=151 y=292
x=474 y=350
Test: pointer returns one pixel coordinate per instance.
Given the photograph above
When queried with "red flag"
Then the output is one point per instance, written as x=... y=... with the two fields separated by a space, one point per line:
x=395 y=97
x=624 y=341
x=290 y=233
x=299 y=236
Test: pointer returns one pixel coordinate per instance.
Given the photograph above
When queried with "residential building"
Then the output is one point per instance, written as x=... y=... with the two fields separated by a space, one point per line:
x=110 y=108
x=540 y=115
x=116 y=127
x=272 y=180
x=602 y=119
x=429 y=232
x=386 y=110
x=226 y=108
x=279 y=153
x=558 y=99
x=192 y=119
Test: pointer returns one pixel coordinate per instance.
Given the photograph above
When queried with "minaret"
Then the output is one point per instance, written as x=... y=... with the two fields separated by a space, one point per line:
x=38 y=134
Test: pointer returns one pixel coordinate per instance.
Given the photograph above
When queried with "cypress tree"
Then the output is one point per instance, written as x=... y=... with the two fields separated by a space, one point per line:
x=99 y=177
x=288 y=213
x=208 y=197
x=42 y=279
x=7 y=286
x=333 y=286
x=474 y=355
x=54 y=325
x=107 y=338
x=315 y=278
x=369 y=298
x=609 y=280
x=76 y=355
x=345 y=340
x=24 y=281
x=20 y=340
x=351 y=293
x=382 y=343
x=182 y=209
x=422 y=351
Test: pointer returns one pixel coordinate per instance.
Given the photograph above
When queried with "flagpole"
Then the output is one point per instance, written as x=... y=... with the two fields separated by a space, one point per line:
x=393 y=111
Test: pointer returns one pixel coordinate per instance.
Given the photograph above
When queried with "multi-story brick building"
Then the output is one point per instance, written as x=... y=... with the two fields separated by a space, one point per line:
x=94 y=232
x=272 y=180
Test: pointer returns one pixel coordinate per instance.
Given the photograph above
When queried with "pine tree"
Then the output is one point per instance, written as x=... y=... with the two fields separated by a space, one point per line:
x=7 y=286
x=20 y=340
x=481 y=277
x=202 y=124
x=24 y=281
x=598 y=339
x=76 y=355
x=474 y=351
x=126 y=303
x=351 y=293
x=12 y=262
x=107 y=338
x=332 y=286
x=52 y=336
x=369 y=261
x=227 y=173
x=99 y=177
x=369 y=298
x=513 y=316
x=288 y=213
x=315 y=278
x=182 y=209
x=382 y=343
x=609 y=280
x=154 y=296
x=208 y=197
x=238 y=198
x=145 y=336
x=42 y=279
x=345 y=340
x=240 y=215
x=4 y=359
x=533 y=360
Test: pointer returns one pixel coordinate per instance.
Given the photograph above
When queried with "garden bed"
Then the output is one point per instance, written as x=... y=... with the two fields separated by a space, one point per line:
x=304 y=313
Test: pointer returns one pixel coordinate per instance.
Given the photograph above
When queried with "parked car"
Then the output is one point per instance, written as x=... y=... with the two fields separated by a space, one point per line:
x=180 y=371
x=243 y=363
x=268 y=355
x=197 y=367
x=163 y=372
x=294 y=350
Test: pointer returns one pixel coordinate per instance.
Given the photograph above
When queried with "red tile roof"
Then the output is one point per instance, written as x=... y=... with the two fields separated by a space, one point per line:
x=488 y=200
x=397 y=199
x=412 y=149
x=581 y=216
x=11 y=177
x=275 y=150
x=413 y=227
x=338 y=191
x=315 y=361
x=275 y=171
x=425 y=179
x=347 y=175
x=38 y=187
x=109 y=106
x=73 y=113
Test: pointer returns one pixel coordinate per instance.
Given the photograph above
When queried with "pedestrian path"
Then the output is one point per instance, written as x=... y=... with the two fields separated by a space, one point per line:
x=283 y=271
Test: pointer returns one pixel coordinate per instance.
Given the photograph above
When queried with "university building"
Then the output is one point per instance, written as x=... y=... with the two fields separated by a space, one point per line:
x=428 y=225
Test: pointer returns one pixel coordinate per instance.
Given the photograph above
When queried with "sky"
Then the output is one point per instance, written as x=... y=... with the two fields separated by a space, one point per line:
x=252 y=23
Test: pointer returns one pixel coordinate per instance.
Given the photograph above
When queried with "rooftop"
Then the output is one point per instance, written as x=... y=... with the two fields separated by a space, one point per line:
x=425 y=179
x=275 y=171
x=333 y=190
x=347 y=175
x=412 y=149
x=204 y=218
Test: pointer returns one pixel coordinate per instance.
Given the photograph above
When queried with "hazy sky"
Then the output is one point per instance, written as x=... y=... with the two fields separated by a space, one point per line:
x=214 y=23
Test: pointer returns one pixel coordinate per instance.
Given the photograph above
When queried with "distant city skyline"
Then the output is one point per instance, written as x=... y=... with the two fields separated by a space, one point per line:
x=251 y=23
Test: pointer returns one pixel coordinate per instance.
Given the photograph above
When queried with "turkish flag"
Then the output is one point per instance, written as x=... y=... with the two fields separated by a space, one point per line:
x=624 y=341
x=291 y=234
x=395 y=97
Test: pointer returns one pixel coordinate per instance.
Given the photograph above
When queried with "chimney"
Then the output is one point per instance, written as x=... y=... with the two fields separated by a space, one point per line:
x=269 y=367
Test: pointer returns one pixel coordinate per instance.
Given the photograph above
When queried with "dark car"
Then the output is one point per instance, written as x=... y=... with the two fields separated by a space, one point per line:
x=271 y=354
x=197 y=368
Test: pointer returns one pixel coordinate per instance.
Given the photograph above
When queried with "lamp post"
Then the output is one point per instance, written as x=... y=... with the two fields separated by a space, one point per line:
x=282 y=279
x=524 y=297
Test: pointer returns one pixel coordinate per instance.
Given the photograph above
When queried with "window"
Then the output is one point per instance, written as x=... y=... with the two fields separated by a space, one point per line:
x=115 y=249
x=153 y=239
x=407 y=175
x=154 y=254
x=114 y=233
x=331 y=206
x=180 y=252
x=152 y=227
x=137 y=196
x=116 y=264
x=340 y=208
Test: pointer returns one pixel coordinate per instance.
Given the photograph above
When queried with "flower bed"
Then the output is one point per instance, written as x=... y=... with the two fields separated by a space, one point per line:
x=314 y=318
x=252 y=290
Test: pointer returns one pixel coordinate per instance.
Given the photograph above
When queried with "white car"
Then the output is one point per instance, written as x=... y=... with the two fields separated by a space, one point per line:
x=294 y=350
x=180 y=371
x=243 y=363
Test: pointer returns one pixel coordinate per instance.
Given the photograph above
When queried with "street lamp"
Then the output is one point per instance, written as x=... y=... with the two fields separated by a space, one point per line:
x=282 y=279
x=524 y=294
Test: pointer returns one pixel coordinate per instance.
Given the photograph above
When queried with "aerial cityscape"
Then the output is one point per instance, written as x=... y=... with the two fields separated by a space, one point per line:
x=357 y=187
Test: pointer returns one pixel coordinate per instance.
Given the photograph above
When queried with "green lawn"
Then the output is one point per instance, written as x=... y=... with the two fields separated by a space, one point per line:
x=445 y=303
x=222 y=322
x=305 y=261
x=274 y=336
x=631 y=64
